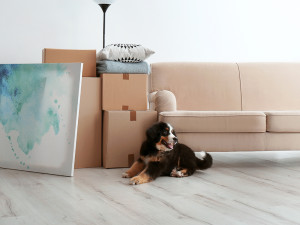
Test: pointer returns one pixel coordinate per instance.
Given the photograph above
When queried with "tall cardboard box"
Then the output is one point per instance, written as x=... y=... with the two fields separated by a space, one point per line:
x=87 y=57
x=88 y=147
x=124 y=91
x=123 y=135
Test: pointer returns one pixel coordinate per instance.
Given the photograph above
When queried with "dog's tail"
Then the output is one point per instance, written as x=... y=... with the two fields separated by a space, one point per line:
x=205 y=161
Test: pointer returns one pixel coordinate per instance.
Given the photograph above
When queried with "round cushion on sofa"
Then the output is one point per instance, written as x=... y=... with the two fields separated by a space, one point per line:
x=165 y=101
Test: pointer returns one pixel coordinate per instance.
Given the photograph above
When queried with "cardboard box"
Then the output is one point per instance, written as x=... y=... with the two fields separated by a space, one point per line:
x=124 y=91
x=123 y=135
x=87 y=57
x=88 y=147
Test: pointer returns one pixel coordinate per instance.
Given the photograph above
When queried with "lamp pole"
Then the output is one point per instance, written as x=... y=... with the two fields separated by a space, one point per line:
x=104 y=7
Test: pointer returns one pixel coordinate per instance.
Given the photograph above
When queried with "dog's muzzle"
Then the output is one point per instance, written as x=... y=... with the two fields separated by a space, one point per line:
x=170 y=145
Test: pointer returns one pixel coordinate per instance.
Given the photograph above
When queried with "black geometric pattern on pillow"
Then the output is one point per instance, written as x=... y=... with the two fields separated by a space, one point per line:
x=125 y=45
x=127 y=59
x=127 y=53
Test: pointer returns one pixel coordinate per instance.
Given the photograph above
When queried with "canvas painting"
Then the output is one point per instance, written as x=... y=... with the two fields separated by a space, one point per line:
x=39 y=105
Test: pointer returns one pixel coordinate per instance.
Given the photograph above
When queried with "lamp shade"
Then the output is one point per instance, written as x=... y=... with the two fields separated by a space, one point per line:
x=104 y=1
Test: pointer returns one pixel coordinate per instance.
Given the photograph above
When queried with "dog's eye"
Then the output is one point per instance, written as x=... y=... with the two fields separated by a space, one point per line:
x=165 y=133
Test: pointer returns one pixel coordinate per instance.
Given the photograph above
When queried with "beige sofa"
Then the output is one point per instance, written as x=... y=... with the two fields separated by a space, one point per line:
x=230 y=106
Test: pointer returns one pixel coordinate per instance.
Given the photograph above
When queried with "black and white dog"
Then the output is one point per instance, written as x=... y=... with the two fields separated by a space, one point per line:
x=162 y=155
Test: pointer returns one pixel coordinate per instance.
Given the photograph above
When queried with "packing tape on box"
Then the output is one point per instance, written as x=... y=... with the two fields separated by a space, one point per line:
x=130 y=160
x=125 y=107
x=125 y=76
x=132 y=115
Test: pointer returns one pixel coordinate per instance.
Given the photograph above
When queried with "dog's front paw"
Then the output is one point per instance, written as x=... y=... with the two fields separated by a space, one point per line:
x=134 y=181
x=141 y=179
x=125 y=175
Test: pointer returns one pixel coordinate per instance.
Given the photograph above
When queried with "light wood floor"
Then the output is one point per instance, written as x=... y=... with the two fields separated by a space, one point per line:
x=241 y=188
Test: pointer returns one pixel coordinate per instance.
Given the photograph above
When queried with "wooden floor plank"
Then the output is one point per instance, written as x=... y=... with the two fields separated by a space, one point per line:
x=240 y=188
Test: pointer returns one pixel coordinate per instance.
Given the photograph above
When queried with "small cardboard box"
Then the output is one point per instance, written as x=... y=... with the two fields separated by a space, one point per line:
x=124 y=91
x=123 y=135
x=87 y=57
x=88 y=147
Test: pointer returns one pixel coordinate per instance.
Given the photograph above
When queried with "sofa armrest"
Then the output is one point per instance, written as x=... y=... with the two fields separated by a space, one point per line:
x=151 y=100
x=165 y=101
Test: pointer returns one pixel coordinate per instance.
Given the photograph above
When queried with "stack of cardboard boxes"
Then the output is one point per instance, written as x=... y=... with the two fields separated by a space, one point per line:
x=125 y=118
x=88 y=146
x=123 y=99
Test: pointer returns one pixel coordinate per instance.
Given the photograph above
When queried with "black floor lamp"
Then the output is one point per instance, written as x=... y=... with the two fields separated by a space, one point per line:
x=104 y=4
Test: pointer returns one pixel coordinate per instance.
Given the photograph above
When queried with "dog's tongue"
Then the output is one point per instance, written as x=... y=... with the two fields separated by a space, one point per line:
x=170 y=145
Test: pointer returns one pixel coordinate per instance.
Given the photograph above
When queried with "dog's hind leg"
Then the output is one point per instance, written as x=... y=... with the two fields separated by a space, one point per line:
x=182 y=172
x=135 y=169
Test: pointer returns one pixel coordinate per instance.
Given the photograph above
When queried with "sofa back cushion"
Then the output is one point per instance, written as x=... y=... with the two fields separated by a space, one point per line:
x=199 y=86
x=270 y=86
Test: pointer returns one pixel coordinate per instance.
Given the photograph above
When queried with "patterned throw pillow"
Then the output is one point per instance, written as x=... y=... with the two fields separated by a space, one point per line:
x=128 y=53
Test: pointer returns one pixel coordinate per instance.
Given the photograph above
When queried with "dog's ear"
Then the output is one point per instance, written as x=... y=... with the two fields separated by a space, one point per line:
x=151 y=133
x=154 y=133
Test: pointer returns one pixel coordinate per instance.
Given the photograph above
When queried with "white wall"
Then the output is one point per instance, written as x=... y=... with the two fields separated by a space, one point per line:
x=178 y=30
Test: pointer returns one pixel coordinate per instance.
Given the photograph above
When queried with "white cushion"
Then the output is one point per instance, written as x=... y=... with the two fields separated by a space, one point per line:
x=130 y=53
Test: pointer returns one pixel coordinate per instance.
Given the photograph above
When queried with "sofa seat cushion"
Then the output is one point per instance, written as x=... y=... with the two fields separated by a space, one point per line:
x=283 y=121
x=215 y=121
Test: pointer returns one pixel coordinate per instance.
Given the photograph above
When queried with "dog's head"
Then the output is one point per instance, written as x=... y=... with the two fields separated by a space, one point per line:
x=163 y=136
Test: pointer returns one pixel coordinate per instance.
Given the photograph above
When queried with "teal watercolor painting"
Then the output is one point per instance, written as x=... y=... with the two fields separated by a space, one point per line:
x=39 y=106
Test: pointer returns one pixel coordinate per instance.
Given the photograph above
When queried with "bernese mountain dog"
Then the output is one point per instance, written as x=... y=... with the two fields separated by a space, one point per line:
x=162 y=155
